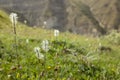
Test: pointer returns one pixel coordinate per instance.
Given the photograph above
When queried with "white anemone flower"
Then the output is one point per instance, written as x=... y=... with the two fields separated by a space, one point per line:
x=38 y=54
x=45 y=45
x=13 y=18
x=56 y=33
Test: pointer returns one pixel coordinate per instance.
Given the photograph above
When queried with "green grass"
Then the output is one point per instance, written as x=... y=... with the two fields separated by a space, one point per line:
x=70 y=57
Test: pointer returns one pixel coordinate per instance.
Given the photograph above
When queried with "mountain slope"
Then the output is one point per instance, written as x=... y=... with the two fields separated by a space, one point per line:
x=68 y=56
x=102 y=16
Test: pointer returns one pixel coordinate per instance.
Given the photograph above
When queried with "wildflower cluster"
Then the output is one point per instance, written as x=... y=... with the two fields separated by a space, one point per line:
x=38 y=54
x=13 y=18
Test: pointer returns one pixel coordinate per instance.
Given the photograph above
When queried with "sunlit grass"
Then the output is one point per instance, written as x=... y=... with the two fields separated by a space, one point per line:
x=70 y=56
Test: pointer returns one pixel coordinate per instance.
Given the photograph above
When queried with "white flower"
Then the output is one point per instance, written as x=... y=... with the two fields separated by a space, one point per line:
x=56 y=33
x=36 y=49
x=9 y=76
x=45 y=22
x=86 y=39
x=38 y=54
x=100 y=44
x=27 y=41
x=45 y=45
x=13 y=18
x=25 y=21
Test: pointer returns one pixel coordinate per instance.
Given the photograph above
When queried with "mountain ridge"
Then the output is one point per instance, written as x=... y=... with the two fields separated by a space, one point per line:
x=93 y=17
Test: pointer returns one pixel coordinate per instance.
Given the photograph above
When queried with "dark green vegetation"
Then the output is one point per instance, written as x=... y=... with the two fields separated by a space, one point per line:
x=70 y=57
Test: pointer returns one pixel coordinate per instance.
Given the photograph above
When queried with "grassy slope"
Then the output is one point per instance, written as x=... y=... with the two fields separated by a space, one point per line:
x=69 y=66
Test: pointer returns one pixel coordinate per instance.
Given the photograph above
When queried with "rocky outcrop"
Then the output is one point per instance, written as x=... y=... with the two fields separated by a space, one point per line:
x=93 y=16
x=56 y=13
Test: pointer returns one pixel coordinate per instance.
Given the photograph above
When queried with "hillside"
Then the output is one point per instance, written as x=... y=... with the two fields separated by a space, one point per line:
x=77 y=16
x=68 y=56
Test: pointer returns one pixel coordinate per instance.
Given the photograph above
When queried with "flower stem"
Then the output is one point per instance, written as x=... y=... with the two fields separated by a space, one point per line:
x=15 y=39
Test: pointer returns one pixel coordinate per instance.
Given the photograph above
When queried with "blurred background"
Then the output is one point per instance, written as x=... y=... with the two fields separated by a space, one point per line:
x=90 y=17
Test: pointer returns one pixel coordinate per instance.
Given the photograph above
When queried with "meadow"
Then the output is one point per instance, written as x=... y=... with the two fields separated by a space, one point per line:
x=37 y=54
